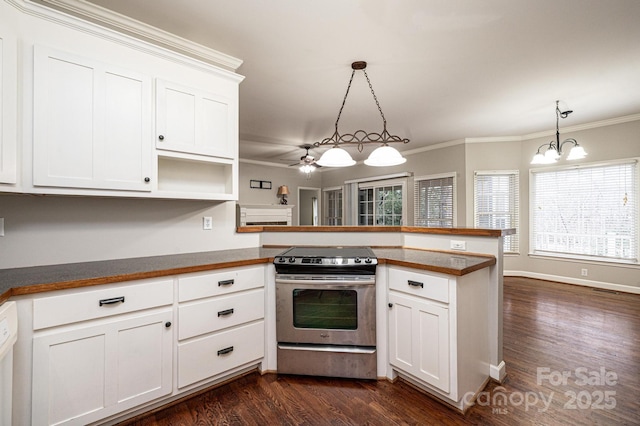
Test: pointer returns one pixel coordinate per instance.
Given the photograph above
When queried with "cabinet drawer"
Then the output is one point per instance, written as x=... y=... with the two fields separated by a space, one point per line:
x=85 y=305
x=422 y=285
x=198 y=286
x=213 y=355
x=220 y=312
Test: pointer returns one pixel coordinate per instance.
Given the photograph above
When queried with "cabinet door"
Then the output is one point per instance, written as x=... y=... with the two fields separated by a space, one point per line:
x=86 y=374
x=419 y=339
x=8 y=108
x=92 y=124
x=193 y=121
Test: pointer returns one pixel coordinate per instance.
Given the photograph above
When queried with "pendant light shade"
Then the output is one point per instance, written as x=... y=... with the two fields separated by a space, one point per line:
x=336 y=157
x=385 y=156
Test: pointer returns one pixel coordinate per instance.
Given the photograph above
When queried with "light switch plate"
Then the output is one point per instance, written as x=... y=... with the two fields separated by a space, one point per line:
x=207 y=223
x=1 y=226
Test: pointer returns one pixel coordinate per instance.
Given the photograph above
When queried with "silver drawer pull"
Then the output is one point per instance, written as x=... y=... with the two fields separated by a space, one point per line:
x=225 y=282
x=415 y=283
x=225 y=351
x=225 y=312
x=112 y=301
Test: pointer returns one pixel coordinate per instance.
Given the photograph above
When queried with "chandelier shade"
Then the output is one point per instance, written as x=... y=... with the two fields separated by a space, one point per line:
x=385 y=156
x=554 y=148
x=336 y=157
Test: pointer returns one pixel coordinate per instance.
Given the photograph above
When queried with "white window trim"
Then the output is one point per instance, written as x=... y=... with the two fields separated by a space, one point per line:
x=453 y=175
x=517 y=188
x=376 y=183
x=575 y=257
x=324 y=195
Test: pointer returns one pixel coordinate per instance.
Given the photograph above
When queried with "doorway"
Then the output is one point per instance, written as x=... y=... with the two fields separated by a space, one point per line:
x=309 y=206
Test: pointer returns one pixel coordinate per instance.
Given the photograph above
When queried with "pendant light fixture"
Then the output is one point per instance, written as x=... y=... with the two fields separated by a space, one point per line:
x=382 y=156
x=554 y=148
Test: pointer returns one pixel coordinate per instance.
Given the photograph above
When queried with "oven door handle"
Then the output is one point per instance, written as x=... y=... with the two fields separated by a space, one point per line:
x=328 y=282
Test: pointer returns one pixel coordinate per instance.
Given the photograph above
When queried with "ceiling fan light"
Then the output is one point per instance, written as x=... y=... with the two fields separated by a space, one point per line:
x=307 y=168
x=336 y=157
x=576 y=153
x=385 y=156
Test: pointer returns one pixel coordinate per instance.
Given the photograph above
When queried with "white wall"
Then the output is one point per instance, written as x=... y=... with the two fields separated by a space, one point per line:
x=602 y=143
x=43 y=230
x=290 y=176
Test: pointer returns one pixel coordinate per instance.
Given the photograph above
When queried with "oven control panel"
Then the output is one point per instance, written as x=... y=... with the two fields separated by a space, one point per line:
x=328 y=261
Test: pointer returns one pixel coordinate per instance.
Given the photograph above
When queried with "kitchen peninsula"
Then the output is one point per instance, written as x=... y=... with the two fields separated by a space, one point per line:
x=56 y=303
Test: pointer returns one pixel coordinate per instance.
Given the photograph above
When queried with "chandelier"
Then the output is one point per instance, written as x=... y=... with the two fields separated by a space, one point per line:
x=554 y=148
x=381 y=156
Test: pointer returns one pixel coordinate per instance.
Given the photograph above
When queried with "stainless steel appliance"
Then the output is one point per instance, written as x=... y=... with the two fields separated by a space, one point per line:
x=326 y=311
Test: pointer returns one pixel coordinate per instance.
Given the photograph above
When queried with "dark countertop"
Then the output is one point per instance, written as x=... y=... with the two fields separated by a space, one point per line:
x=445 y=262
x=36 y=279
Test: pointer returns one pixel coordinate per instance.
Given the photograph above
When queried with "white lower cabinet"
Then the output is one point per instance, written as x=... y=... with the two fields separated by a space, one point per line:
x=209 y=356
x=100 y=353
x=419 y=339
x=221 y=323
x=84 y=374
x=438 y=332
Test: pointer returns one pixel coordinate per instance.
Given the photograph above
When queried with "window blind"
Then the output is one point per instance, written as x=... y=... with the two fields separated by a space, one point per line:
x=496 y=203
x=434 y=201
x=588 y=211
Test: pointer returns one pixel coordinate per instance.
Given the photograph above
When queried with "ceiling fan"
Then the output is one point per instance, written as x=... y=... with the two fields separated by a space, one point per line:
x=306 y=160
x=307 y=163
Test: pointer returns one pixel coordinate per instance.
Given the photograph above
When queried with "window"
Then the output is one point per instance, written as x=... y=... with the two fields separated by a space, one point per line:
x=496 y=203
x=434 y=201
x=333 y=206
x=381 y=203
x=589 y=211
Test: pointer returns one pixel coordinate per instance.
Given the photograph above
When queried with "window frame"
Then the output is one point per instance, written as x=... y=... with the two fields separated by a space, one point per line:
x=511 y=242
x=582 y=257
x=377 y=185
x=326 y=204
x=416 y=197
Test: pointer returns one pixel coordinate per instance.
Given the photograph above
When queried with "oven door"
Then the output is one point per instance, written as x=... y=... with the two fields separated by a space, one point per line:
x=335 y=310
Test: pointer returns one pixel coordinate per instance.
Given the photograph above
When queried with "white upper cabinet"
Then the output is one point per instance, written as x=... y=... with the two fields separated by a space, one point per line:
x=92 y=124
x=194 y=121
x=8 y=107
x=89 y=111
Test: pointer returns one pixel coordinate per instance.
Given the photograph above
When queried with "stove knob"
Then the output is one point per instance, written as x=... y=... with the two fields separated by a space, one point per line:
x=357 y=260
x=367 y=260
x=292 y=259
x=281 y=259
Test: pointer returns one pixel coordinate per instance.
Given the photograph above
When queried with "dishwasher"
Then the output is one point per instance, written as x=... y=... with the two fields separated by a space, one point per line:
x=8 y=336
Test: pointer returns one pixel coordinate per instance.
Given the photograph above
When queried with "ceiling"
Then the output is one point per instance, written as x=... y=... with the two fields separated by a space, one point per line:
x=442 y=70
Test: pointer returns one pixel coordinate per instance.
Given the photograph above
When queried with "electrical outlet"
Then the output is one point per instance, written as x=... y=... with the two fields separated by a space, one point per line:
x=207 y=223
x=584 y=272
x=458 y=245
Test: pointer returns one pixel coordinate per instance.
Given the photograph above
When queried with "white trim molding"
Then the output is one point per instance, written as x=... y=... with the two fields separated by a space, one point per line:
x=576 y=281
x=124 y=24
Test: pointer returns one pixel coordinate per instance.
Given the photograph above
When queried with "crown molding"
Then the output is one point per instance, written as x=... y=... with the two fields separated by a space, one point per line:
x=262 y=163
x=585 y=126
x=130 y=26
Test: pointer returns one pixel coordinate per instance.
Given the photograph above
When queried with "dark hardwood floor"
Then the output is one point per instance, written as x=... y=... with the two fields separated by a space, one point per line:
x=572 y=355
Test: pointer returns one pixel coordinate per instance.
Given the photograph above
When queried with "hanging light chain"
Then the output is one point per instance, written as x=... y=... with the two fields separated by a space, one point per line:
x=375 y=98
x=360 y=137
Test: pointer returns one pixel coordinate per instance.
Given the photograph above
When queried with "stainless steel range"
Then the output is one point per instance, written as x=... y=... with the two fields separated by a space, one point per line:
x=326 y=311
